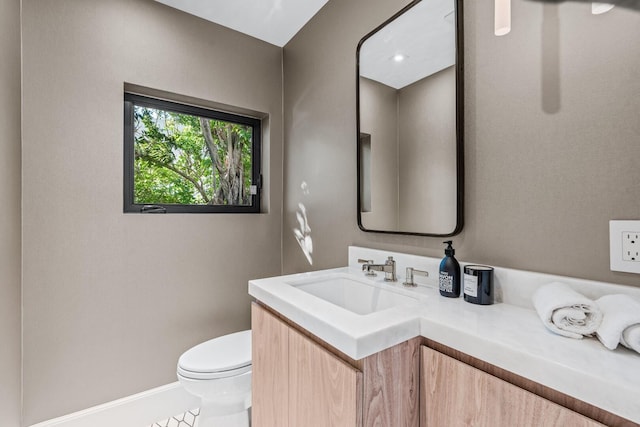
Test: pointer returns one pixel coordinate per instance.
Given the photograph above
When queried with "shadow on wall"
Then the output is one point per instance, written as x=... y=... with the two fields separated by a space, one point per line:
x=550 y=42
x=550 y=59
x=303 y=232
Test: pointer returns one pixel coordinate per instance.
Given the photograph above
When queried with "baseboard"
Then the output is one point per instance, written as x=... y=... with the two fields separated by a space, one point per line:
x=138 y=410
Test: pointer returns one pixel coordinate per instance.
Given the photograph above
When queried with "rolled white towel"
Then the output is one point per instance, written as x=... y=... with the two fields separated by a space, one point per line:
x=621 y=323
x=631 y=337
x=565 y=311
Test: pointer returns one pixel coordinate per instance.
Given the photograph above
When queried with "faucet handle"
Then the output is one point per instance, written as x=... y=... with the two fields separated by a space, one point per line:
x=409 y=279
x=369 y=273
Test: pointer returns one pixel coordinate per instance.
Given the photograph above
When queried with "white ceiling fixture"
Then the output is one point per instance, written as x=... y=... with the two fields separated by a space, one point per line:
x=502 y=17
x=502 y=14
x=600 y=8
x=274 y=21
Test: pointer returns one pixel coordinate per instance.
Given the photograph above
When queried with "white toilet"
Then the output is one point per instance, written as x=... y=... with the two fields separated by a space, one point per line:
x=218 y=371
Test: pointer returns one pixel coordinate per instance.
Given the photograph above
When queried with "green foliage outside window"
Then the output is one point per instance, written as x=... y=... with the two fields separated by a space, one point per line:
x=188 y=160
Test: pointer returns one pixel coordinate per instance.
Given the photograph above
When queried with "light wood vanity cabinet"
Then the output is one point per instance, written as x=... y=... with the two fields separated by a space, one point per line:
x=455 y=394
x=323 y=390
x=298 y=380
x=270 y=370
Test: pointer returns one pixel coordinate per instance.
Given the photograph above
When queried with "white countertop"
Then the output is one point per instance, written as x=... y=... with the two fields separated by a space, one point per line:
x=509 y=336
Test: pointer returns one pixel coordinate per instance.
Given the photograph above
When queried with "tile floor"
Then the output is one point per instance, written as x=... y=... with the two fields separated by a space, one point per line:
x=188 y=419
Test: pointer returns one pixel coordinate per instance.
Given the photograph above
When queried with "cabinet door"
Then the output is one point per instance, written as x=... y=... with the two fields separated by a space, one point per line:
x=455 y=394
x=324 y=391
x=270 y=359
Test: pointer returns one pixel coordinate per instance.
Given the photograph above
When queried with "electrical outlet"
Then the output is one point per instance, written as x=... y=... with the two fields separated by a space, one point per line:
x=631 y=246
x=624 y=246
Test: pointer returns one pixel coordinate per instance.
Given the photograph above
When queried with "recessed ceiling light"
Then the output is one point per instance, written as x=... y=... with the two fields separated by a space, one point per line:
x=398 y=57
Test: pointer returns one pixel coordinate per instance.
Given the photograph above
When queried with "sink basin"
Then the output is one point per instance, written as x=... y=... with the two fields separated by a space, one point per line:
x=357 y=296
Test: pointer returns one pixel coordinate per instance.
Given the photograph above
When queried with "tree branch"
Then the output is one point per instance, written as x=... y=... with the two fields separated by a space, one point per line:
x=211 y=146
x=172 y=168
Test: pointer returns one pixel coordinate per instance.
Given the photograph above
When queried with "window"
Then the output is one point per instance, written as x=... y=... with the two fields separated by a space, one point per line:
x=184 y=159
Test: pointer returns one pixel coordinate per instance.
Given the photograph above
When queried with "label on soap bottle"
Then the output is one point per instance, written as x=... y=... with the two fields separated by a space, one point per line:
x=446 y=282
x=471 y=285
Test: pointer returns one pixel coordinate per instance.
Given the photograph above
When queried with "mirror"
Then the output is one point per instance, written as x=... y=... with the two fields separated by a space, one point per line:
x=410 y=122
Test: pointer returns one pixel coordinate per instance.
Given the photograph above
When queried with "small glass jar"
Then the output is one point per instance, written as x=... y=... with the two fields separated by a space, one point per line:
x=478 y=284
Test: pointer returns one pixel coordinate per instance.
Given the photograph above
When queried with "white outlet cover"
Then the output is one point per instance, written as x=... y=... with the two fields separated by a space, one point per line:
x=617 y=231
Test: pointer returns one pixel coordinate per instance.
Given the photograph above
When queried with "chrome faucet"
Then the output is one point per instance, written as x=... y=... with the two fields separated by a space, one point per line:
x=389 y=269
x=410 y=273
x=370 y=273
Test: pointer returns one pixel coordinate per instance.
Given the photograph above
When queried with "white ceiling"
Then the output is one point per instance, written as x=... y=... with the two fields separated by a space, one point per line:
x=274 y=21
x=425 y=36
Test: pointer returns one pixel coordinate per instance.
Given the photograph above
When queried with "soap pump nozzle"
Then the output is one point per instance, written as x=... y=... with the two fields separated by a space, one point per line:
x=449 y=250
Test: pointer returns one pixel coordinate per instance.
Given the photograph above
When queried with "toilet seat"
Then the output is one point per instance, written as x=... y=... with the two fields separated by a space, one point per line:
x=221 y=357
x=212 y=375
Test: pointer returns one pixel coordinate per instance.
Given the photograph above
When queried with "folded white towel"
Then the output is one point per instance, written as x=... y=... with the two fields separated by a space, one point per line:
x=565 y=311
x=621 y=323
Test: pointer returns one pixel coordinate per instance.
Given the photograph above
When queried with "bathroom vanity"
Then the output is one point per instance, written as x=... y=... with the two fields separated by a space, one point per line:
x=416 y=359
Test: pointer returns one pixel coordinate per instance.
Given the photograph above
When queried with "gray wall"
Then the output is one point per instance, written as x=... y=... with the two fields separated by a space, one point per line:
x=551 y=136
x=320 y=129
x=10 y=219
x=112 y=300
x=427 y=154
x=378 y=118
x=413 y=154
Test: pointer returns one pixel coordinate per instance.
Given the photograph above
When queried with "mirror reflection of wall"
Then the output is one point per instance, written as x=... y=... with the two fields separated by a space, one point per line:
x=365 y=172
x=427 y=153
x=378 y=119
x=407 y=106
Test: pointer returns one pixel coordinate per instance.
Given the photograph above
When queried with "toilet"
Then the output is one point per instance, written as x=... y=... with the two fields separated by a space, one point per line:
x=218 y=372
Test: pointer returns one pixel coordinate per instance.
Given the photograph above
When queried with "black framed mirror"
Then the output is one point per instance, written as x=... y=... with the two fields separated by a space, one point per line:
x=409 y=96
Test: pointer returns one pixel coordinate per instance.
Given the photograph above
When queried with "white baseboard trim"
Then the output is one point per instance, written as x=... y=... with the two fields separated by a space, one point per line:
x=138 y=410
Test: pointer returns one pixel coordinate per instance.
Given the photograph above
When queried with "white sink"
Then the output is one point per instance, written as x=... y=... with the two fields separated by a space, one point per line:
x=358 y=296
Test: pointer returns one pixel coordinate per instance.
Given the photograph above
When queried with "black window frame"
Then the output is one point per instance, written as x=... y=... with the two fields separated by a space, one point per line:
x=131 y=100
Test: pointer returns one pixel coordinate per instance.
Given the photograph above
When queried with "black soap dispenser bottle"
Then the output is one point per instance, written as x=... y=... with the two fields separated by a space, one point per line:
x=449 y=280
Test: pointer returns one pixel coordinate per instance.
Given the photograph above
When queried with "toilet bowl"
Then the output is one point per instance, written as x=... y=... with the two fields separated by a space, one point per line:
x=218 y=372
